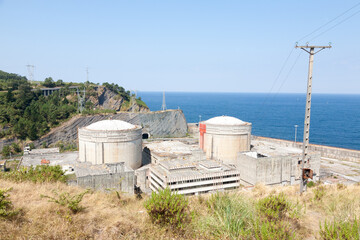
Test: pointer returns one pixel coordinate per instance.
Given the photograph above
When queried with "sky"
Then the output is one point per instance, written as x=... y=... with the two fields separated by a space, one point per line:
x=185 y=46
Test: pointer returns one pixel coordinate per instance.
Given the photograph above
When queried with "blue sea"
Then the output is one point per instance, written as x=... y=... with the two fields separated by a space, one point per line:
x=335 y=119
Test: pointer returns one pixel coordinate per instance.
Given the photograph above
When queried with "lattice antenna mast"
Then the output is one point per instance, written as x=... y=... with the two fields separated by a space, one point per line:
x=87 y=74
x=306 y=172
x=81 y=99
x=31 y=69
x=163 y=107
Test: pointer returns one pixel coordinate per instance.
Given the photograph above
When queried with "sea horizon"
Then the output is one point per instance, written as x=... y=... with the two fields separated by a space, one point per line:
x=334 y=117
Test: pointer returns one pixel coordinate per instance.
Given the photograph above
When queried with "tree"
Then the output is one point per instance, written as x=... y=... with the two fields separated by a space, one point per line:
x=60 y=83
x=6 y=151
x=49 y=82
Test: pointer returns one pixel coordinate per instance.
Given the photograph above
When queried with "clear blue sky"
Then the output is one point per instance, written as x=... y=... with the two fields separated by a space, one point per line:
x=211 y=46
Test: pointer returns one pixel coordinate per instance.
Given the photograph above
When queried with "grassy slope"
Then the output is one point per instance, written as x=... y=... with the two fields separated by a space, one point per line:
x=105 y=217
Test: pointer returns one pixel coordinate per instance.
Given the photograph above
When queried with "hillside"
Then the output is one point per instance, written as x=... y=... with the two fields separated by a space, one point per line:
x=237 y=215
x=170 y=123
x=27 y=111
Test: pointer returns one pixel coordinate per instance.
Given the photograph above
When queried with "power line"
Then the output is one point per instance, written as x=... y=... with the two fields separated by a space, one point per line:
x=288 y=74
x=335 y=25
x=332 y=20
x=278 y=76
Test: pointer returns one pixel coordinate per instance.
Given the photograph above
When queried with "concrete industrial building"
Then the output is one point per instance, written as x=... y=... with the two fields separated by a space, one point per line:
x=111 y=141
x=193 y=177
x=223 y=138
x=272 y=164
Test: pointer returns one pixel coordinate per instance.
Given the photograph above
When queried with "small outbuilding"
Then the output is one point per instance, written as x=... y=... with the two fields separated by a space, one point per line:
x=223 y=138
x=111 y=141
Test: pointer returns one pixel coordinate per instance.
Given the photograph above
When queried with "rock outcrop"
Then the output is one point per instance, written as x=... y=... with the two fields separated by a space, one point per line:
x=170 y=123
x=103 y=98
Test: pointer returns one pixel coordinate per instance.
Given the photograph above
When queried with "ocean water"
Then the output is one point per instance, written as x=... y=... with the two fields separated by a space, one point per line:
x=335 y=119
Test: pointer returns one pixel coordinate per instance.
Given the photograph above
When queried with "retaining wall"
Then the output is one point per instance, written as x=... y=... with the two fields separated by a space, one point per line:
x=124 y=182
x=325 y=151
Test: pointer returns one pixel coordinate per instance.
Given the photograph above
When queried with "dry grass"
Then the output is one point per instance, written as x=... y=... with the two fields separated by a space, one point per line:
x=107 y=217
x=104 y=217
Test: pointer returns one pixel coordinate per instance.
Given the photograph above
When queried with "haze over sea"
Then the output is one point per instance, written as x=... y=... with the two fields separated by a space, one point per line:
x=335 y=119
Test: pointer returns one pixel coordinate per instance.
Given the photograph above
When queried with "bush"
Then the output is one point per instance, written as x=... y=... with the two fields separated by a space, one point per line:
x=278 y=218
x=167 y=208
x=67 y=200
x=42 y=173
x=6 y=206
x=340 y=230
x=319 y=192
x=269 y=230
x=230 y=216
x=310 y=184
x=274 y=207
x=16 y=148
x=6 y=151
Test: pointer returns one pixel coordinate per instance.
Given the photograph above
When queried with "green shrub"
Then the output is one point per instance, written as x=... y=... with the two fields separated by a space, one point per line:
x=274 y=207
x=6 y=207
x=6 y=151
x=270 y=230
x=319 y=192
x=310 y=184
x=339 y=230
x=64 y=147
x=16 y=148
x=277 y=218
x=32 y=146
x=168 y=208
x=230 y=216
x=41 y=173
x=72 y=202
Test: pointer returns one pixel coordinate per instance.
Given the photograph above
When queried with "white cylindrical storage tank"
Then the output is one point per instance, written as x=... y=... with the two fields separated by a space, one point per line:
x=224 y=137
x=111 y=141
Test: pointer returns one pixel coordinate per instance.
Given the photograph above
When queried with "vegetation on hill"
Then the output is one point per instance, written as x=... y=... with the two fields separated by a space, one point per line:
x=323 y=212
x=25 y=113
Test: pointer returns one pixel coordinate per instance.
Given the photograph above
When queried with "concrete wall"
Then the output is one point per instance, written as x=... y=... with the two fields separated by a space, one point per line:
x=325 y=151
x=124 y=182
x=274 y=170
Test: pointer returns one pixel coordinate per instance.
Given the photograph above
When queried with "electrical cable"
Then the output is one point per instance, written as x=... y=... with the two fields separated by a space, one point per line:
x=335 y=25
x=332 y=20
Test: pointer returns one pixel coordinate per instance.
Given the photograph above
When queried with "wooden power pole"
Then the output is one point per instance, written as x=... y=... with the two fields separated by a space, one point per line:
x=307 y=172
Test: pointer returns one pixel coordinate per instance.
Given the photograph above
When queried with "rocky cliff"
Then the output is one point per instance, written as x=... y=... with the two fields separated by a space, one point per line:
x=170 y=123
x=103 y=98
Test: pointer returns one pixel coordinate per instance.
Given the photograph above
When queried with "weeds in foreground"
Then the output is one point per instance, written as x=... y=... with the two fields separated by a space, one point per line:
x=340 y=230
x=319 y=192
x=72 y=202
x=230 y=216
x=274 y=207
x=38 y=174
x=233 y=216
x=277 y=218
x=168 y=208
x=7 y=210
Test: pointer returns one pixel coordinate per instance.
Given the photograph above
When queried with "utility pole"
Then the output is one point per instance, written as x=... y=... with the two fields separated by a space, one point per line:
x=163 y=107
x=306 y=172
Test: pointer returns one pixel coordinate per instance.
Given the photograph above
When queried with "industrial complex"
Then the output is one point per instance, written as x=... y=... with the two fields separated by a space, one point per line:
x=220 y=154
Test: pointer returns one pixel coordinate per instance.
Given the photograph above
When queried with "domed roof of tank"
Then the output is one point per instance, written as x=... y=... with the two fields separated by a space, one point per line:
x=111 y=125
x=225 y=120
